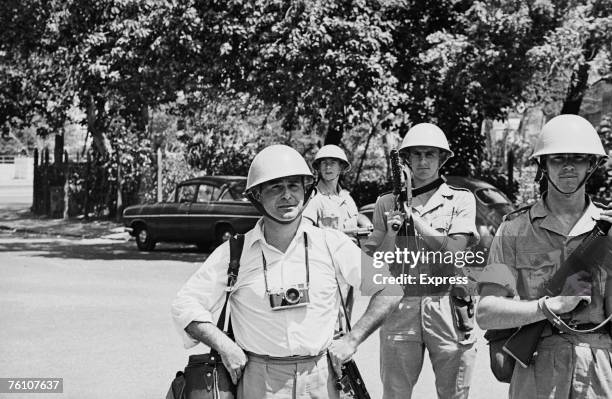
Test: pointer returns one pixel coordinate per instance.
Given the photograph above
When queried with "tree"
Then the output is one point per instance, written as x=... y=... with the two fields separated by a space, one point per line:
x=575 y=48
x=323 y=62
x=36 y=86
x=463 y=61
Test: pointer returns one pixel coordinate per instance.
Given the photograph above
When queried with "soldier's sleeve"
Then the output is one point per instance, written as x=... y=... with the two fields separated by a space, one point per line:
x=500 y=268
x=464 y=219
x=312 y=210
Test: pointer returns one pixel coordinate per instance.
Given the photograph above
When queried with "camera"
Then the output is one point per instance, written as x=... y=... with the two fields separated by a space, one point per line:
x=291 y=297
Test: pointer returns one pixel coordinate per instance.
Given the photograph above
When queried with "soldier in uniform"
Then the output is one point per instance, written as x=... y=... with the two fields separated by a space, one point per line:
x=444 y=220
x=333 y=205
x=529 y=247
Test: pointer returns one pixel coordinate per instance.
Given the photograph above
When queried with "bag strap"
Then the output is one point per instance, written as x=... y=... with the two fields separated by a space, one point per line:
x=347 y=318
x=236 y=244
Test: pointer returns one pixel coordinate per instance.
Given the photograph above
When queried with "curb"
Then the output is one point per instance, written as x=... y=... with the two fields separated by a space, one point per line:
x=58 y=233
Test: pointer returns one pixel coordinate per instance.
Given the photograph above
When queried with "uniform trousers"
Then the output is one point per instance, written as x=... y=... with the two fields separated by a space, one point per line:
x=419 y=323
x=266 y=377
x=567 y=366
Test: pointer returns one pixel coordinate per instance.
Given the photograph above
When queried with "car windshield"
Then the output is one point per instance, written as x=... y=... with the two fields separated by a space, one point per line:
x=491 y=196
x=234 y=192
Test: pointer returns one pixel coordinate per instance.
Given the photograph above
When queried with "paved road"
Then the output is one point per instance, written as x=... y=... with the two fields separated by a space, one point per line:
x=96 y=312
x=15 y=194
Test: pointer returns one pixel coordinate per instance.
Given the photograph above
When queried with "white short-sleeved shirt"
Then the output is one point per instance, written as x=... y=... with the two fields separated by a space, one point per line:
x=257 y=328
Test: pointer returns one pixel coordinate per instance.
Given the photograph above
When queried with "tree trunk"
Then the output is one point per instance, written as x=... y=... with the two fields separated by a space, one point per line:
x=576 y=90
x=95 y=123
x=58 y=150
x=373 y=131
x=580 y=78
x=335 y=129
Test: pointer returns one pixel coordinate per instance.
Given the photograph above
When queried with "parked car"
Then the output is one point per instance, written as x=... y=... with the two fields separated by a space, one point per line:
x=203 y=211
x=491 y=206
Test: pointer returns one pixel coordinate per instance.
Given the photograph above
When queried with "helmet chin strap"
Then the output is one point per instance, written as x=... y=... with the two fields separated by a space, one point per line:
x=263 y=211
x=582 y=183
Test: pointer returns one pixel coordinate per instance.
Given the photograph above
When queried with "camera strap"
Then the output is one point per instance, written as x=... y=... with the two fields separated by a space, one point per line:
x=265 y=265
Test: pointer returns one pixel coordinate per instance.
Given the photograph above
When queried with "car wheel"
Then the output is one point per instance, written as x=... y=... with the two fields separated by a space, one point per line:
x=143 y=239
x=223 y=233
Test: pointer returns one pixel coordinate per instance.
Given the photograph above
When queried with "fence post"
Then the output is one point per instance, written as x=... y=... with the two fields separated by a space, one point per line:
x=45 y=184
x=35 y=184
x=119 y=193
x=159 y=175
x=86 y=179
x=66 y=169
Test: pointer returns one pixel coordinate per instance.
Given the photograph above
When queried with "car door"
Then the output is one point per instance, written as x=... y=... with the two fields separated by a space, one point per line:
x=173 y=225
x=202 y=214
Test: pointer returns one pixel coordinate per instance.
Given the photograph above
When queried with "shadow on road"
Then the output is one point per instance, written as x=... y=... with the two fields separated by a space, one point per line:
x=108 y=250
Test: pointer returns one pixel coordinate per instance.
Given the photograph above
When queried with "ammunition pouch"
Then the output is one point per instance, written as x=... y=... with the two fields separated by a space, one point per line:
x=463 y=312
x=462 y=308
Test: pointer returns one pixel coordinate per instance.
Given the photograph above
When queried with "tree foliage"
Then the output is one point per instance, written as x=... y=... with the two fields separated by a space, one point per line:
x=366 y=67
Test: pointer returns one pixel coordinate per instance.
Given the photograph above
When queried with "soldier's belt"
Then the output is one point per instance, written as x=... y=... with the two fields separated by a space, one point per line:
x=585 y=328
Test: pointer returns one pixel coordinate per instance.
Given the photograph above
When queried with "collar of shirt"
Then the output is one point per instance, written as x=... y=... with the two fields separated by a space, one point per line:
x=342 y=195
x=442 y=194
x=583 y=225
x=256 y=235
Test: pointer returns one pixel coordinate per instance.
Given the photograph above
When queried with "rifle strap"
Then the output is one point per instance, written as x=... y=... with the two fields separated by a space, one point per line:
x=429 y=186
x=558 y=323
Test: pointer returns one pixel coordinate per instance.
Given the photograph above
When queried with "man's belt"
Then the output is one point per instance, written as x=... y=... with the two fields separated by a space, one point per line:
x=585 y=328
x=561 y=327
x=286 y=359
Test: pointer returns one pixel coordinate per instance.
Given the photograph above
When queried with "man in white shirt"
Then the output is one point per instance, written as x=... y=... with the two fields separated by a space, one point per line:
x=280 y=348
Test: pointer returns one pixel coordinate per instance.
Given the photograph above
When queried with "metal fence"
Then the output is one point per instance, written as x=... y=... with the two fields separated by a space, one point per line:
x=68 y=188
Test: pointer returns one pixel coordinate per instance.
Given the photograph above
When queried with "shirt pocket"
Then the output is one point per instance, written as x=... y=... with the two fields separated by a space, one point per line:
x=534 y=270
x=441 y=222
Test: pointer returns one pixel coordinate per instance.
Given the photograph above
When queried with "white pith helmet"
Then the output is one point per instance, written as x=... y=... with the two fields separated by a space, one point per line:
x=274 y=162
x=426 y=134
x=568 y=134
x=331 y=151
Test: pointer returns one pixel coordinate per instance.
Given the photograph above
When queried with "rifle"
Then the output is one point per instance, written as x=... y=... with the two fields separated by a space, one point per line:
x=403 y=199
x=351 y=382
x=522 y=344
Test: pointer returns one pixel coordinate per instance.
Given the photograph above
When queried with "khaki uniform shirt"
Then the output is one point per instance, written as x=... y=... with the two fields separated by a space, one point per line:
x=450 y=211
x=528 y=250
x=335 y=211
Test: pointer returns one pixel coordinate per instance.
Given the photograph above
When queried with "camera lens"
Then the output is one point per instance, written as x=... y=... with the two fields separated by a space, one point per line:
x=292 y=296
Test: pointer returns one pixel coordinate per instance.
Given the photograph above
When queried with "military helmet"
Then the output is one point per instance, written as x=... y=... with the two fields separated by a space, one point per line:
x=426 y=134
x=275 y=162
x=568 y=134
x=334 y=152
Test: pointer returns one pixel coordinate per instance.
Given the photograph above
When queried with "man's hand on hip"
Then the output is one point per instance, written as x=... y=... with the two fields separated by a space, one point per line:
x=234 y=359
